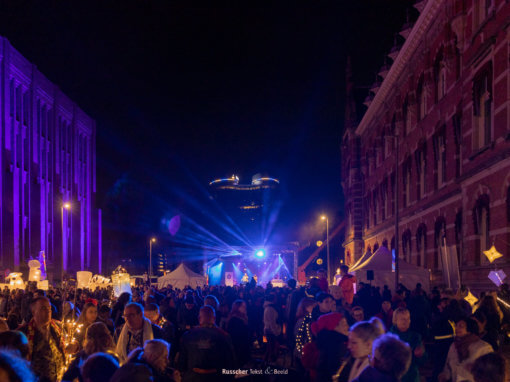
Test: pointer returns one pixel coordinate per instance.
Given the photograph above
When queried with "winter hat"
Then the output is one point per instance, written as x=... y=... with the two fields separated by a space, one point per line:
x=327 y=322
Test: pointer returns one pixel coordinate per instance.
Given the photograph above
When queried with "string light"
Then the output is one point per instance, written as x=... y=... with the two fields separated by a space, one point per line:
x=304 y=335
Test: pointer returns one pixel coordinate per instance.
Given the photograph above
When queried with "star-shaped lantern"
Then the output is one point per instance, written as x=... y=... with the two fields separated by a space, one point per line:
x=471 y=299
x=492 y=254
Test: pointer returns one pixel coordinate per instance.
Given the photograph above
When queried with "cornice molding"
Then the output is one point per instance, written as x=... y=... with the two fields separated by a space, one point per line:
x=417 y=35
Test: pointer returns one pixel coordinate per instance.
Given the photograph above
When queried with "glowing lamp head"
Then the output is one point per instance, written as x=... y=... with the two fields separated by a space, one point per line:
x=323 y=217
x=67 y=205
x=260 y=253
x=153 y=239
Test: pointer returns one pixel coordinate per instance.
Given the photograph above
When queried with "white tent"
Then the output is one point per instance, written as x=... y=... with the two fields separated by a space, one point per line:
x=381 y=265
x=181 y=277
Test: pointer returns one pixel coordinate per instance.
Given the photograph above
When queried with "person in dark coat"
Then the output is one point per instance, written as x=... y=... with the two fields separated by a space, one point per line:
x=205 y=350
x=237 y=327
x=331 y=331
x=187 y=314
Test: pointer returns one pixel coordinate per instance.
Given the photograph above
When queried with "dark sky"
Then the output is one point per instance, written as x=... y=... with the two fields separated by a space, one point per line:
x=185 y=93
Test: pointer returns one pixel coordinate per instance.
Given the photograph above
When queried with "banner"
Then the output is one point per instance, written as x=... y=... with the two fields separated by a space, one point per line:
x=451 y=271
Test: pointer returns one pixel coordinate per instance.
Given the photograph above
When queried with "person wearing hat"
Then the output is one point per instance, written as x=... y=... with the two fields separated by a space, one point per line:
x=331 y=331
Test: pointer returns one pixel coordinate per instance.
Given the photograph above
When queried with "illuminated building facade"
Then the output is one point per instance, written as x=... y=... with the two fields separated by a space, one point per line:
x=48 y=160
x=446 y=96
x=250 y=206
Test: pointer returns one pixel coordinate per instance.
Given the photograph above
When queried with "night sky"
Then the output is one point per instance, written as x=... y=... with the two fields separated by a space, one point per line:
x=184 y=93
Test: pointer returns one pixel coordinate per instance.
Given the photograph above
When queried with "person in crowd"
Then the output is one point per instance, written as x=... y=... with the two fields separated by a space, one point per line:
x=272 y=327
x=347 y=284
x=323 y=280
x=133 y=372
x=466 y=348
x=325 y=305
x=87 y=317
x=205 y=350
x=99 y=367
x=442 y=331
x=46 y=349
x=187 y=314
x=237 y=327
x=401 y=328
x=490 y=367
x=71 y=312
x=386 y=293
x=118 y=309
x=155 y=355
x=331 y=330
x=97 y=339
x=490 y=308
x=151 y=312
x=358 y=314
x=386 y=314
x=487 y=334
x=14 y=368
x=135 y=332
x=302 y=328
x=291 y=305
x=104 y=315
x=14 y=341
x=389 y=360
x=213 y=302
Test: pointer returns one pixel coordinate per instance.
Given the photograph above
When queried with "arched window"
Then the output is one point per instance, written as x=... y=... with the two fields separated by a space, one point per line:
x=421 y=246
x=439 y=236
x=406 y=246
x=376 y=247
x=481 y=221
x=482 y=107
x=385 y=243
x=406 y=117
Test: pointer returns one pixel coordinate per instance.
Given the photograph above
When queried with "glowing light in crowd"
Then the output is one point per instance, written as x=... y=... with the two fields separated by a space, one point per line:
x=492 y=254
x=497 y=277
x=319 y=243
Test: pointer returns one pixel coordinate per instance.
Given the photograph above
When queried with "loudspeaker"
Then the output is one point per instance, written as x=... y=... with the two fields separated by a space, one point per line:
x=370 y=275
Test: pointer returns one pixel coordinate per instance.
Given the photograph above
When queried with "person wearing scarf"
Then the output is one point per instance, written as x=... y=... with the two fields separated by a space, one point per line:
x=466 y=348
x=46 y=348
x=135 y=331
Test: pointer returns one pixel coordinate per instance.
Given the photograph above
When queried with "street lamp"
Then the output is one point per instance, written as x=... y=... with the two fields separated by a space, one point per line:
x=152 y=240
x=65 y=206
x=324 y=217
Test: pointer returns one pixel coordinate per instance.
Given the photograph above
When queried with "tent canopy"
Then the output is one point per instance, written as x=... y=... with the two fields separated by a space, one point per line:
x=380 y=262
x=181 y=277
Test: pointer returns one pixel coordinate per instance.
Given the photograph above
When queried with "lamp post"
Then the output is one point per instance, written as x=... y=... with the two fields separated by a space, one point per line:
x=152 y=240
x=65 y=206
x=324 y=217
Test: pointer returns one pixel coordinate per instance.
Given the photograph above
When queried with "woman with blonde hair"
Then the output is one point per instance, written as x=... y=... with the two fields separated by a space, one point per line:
x=97 y=339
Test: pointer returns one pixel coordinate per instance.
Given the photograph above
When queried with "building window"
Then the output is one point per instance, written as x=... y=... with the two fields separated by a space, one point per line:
x=457 y=133
x=406 y=117
x=393 y=202
x=406 y=177
x=481 y=220
x=439 y=236
x=421 y=246
x=406 y=246
x=482 y=10
x=458 y=236
x=482 y=108
x=440 y=158
x=384 y=199
x=421 y=99
x=440 y=76
x=375 y=212
x=376 y=247
x=420 y=171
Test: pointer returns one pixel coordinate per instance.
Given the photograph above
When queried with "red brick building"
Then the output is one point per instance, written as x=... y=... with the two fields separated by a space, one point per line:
x=447 y=98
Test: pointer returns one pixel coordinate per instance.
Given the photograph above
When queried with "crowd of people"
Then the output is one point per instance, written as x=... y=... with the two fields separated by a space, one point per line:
x=317 y=333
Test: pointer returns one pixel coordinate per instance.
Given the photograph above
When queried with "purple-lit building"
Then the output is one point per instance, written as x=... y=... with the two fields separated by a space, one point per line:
x=48 y=161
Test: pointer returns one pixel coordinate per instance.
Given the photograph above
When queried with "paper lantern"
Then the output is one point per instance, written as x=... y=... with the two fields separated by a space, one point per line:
x=16 y=282
x=471 y=299
x=497 y=277
x=121 y=281
x=492 y=254
x=34 y=274
x=83 y=278
x=43 y=285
